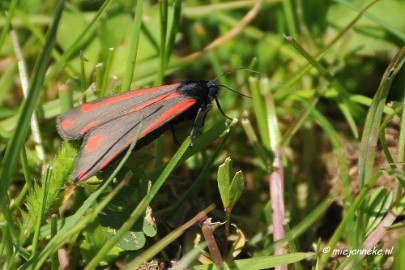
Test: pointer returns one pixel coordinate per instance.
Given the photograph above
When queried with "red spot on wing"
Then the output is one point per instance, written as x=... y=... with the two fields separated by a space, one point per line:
x=93 y=142
x=89 y=126
x=161 y=98
x=92 y=106
x=67 y=124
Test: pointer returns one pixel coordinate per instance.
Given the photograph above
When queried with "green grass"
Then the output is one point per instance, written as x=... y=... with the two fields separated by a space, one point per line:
x=311 y=165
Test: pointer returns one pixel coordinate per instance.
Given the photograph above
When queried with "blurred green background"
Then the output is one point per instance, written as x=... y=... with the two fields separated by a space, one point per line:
x=311 y=100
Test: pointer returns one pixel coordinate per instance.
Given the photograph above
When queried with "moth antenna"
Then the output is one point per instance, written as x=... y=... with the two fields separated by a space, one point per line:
x=232 y=71
x=236 y=92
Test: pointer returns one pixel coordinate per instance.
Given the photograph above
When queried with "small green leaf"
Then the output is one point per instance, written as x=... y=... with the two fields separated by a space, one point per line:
x=230 y=191
x=236 y=188
x=224 y=179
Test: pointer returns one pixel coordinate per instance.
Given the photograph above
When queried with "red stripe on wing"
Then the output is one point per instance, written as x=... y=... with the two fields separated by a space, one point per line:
x=89 y=126
x=182 y=106
x=81 y=176
x=161 y=98
x=92 y=106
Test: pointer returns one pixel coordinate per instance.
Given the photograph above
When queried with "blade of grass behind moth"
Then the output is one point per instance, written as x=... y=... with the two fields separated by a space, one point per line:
x=164 y=21
x=106 y=74
x=167 y=41
x=65 y=97
x=173 y=31
x=290 y=11
x=135 y=31
x=83 y=82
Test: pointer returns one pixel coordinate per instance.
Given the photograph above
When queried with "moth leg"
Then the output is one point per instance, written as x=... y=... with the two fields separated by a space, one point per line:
x=199 y=121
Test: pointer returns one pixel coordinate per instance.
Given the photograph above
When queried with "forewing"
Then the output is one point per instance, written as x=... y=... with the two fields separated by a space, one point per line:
x=77 y=122
x=104 y=143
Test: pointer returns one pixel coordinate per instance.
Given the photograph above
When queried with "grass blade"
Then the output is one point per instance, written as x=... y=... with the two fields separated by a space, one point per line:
x=133 y=47
x=16 y=142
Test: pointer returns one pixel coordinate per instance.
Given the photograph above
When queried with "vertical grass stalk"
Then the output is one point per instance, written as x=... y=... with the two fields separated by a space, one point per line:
x=133 y=46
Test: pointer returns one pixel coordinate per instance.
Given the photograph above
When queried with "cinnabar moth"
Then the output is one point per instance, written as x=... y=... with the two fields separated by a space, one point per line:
x=108 y=124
